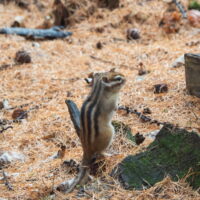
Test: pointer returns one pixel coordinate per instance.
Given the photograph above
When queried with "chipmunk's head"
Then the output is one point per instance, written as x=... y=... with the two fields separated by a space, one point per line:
x=112 y=80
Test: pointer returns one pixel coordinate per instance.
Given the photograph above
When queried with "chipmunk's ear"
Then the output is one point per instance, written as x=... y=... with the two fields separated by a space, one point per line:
x=112 y=70
x=91 y=75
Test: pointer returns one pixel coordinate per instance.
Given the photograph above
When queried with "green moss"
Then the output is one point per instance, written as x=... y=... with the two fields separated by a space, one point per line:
x=194 y=4
x=126 y=130
x=174 y=152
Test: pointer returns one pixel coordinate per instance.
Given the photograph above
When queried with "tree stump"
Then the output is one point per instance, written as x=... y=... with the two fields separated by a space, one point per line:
x=192 y=73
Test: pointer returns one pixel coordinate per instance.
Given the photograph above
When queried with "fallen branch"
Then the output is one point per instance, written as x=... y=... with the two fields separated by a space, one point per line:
x=4 y=129
x=29 y=33
x=7 y=184
x=140 y=115
x=181 y=8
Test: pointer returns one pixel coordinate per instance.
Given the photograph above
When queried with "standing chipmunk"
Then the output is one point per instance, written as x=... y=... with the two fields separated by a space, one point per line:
x=97 y=132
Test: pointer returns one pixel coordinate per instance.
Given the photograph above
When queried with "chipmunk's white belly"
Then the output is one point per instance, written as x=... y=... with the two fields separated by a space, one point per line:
x=105 y=134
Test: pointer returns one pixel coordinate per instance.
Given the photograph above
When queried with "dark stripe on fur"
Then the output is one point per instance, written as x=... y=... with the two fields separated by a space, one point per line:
x=96 y=115
x=83 y=110
x=91 y=108
x=83 y=118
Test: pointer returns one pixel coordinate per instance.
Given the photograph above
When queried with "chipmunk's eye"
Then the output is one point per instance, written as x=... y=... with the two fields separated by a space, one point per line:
x=118 y=78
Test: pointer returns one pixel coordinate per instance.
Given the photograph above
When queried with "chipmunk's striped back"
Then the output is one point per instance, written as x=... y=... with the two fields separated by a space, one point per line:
x=89 y=113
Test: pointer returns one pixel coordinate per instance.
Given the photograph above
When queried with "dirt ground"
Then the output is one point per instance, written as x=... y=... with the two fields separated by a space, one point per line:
x=57 y=72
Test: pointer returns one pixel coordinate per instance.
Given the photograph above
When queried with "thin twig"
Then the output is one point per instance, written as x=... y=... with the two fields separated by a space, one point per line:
x=59 y=79
x=140 y=115
x=4 y=129
x=67 y=79
x=20 y=106
x=7 y=184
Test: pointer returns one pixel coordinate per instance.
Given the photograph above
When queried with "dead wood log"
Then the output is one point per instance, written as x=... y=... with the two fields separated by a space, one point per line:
x=192 y=73
x=29 y=33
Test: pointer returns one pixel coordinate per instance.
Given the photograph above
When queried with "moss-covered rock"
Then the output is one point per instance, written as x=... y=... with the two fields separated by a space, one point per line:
x=194 y=4
x=174 y=152
x=124 y=129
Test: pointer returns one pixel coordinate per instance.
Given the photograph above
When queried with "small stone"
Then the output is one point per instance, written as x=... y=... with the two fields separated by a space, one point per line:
x=180 y=61
x=18 y=22
x=99 y=29
x=19 y=114
x=139 y=138
x=8 y=157
x=6 y=104
x=23 y=4
x=36 y=44
x=142 y=72
x=69 y=94
x=22 y=57
x=152 y=134
x=133 y=34
x=64 y=186
x=61 y=152
x=146 y=111
x=160 y=88
x=99 y=45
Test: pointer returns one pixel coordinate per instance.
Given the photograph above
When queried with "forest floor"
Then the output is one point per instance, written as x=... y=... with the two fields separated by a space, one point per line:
x=57 y=73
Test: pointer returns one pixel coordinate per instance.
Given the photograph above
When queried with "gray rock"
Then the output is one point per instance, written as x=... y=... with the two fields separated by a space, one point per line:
x=152 y=134
x=180 y=61
x=8 y=157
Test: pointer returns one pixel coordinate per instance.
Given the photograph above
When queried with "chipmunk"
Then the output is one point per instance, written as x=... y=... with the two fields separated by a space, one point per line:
x=96 y=114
